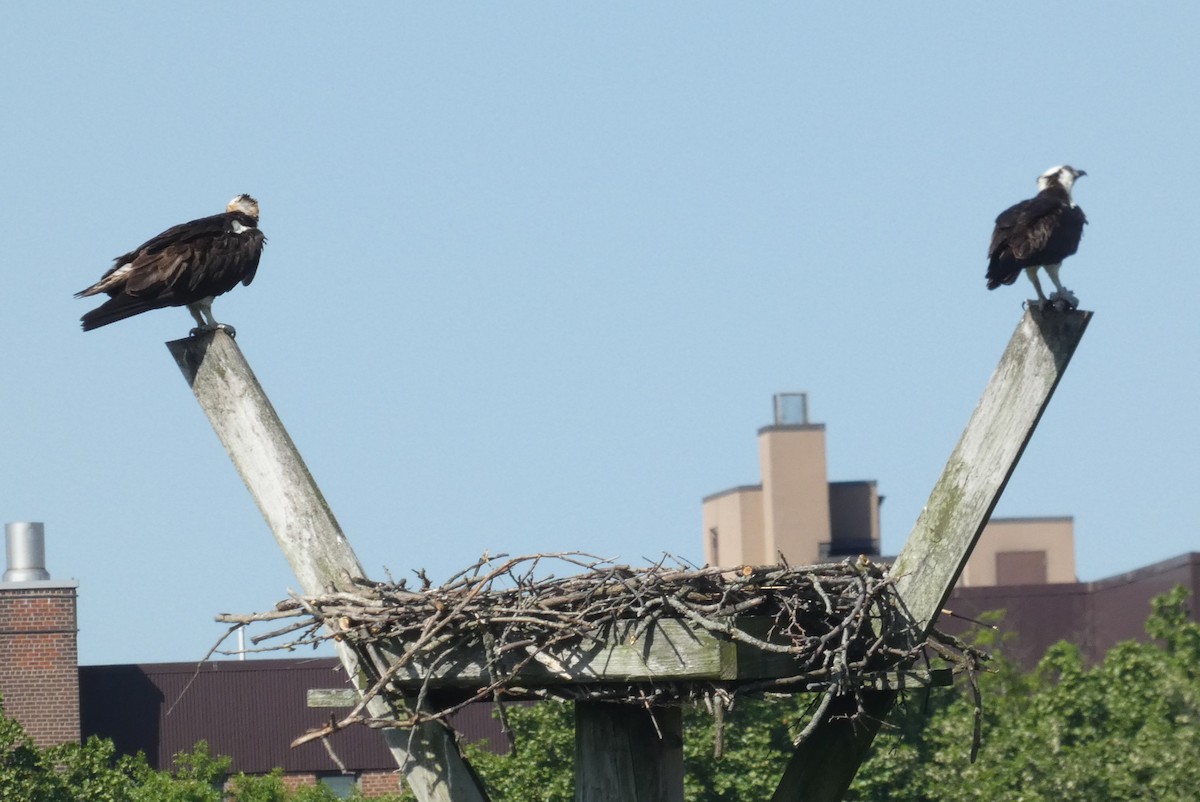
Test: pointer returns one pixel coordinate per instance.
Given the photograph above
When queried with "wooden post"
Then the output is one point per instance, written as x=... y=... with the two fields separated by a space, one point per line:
x=984 y=459
x=823 y=766
x=624 y=755
x=310 y=538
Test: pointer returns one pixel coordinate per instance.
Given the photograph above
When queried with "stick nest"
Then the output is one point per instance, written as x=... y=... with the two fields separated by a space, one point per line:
x=838 y=625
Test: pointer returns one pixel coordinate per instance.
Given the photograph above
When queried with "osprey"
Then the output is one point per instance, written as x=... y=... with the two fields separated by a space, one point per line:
x=186 y=265
x=1039 y=232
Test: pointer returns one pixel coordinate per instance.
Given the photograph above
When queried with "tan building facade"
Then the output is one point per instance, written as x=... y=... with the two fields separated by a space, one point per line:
x=1022 y=551
x=797 y=514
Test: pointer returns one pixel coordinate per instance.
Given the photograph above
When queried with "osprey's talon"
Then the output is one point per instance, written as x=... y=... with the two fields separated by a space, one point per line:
x=206 y=329
x=1064 y=300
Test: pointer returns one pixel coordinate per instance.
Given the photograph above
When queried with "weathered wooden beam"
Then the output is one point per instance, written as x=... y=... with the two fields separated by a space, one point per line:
x=268 y=461
x=309 y=536
x=332 y=697
x=984 y=459
x=908 y=679
x=823 y=766
x=667 y=650
x=625 y=753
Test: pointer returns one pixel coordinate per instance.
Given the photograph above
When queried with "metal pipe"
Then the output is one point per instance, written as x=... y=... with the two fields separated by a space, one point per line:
x=25 y=545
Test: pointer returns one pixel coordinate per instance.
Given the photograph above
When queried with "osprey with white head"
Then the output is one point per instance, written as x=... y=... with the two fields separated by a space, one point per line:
x=1039 y=232
x=186 y=265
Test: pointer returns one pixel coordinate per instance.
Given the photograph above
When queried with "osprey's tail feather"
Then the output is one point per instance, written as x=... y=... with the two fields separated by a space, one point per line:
x=1001 y=271
x=114 y=309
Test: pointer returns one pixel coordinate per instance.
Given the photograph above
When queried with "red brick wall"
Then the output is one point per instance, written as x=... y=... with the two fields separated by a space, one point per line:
x=371 y=783
x=295 y=781
x=39 y=661
x=378 y=783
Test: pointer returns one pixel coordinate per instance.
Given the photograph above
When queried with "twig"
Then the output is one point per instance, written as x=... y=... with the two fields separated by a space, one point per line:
x=839 y=625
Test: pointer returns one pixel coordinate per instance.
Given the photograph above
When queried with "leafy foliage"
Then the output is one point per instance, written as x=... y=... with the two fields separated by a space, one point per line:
x=93 y=772
x=1126 y=729
x=756 y=742
x=756 y=738
x=545 y=757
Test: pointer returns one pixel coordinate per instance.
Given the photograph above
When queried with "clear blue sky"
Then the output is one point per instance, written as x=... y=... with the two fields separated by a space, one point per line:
x=535 y=270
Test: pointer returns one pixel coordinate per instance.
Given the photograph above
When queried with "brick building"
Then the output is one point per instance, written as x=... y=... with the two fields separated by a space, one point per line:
x=250 y=710
x=1095 y=616
x=39 y=674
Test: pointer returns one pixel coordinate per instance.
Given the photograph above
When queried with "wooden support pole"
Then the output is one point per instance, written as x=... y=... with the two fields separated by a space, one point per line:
x=821 y=768
x=623 y=754
x=310 y=538
x=984 y=459
x=928 y=567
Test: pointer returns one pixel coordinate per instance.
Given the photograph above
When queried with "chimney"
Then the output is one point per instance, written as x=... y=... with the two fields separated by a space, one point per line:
x=25 y=544
x=795 y=485
x=39 y=655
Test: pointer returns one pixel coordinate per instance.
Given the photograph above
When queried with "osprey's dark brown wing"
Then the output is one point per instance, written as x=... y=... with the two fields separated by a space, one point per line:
x=1043 y=230
x=184 y=264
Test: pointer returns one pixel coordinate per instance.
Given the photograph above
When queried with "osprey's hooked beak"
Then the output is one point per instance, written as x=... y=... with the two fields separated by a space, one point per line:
x=1080 y=172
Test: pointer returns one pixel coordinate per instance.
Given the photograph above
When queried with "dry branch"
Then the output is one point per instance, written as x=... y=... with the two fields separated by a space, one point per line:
x=833 y=627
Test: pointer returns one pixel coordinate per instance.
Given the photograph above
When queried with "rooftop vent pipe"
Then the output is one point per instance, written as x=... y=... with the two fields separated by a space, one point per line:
x=791 y=409
x=25 y=544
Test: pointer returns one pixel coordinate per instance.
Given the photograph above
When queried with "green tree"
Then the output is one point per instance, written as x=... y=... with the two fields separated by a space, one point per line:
x=270 y=788
x=1125 y=729
x=544 y=759
x=756 y=739
x=198 y=777
x=94 y=772
x=258 y=788
x=23 y=774
x=756 y=743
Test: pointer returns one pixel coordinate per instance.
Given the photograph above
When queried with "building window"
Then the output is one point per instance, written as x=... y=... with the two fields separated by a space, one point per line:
x=1021 y=568
x=342 y=785
x=713 y=542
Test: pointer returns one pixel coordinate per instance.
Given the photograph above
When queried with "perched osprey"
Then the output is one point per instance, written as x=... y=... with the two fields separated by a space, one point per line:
x=1039 y=232
x=186 y=265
